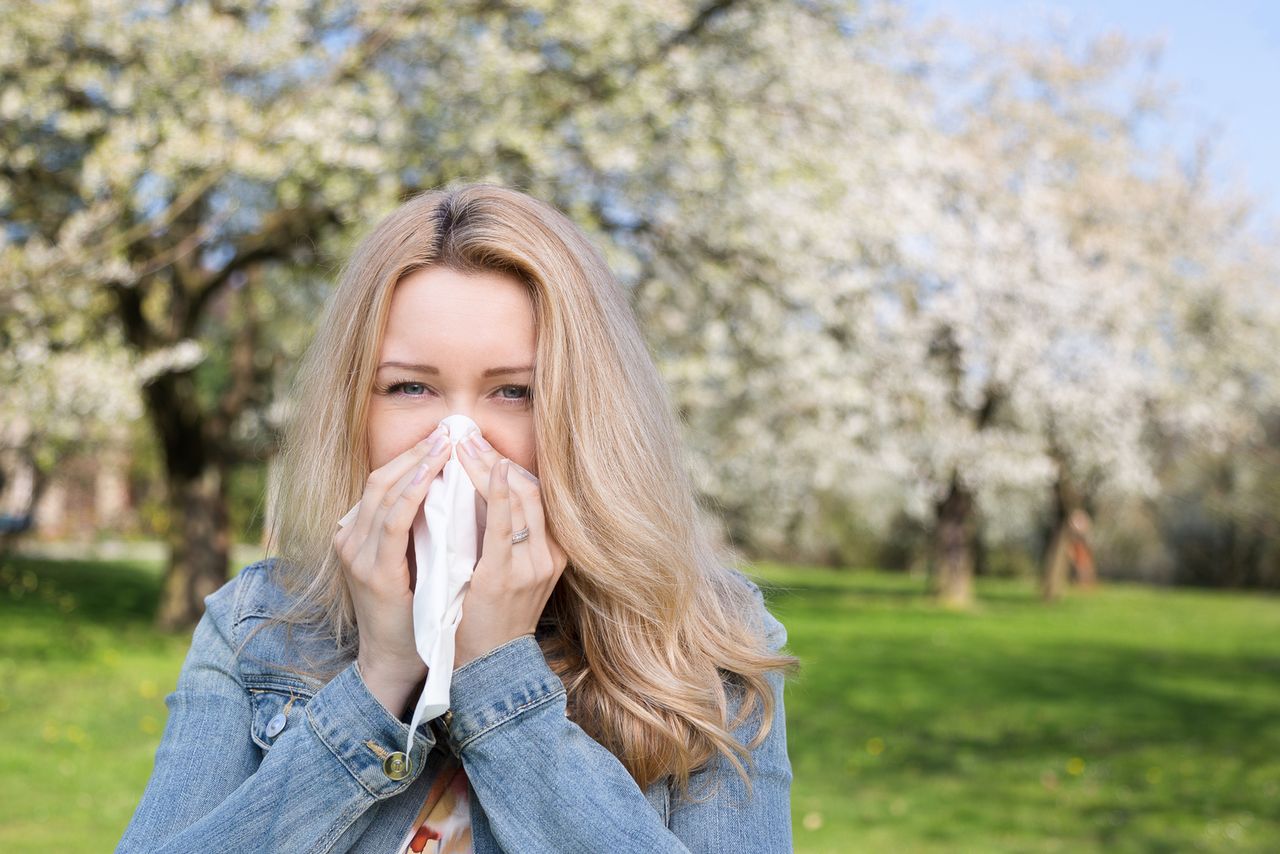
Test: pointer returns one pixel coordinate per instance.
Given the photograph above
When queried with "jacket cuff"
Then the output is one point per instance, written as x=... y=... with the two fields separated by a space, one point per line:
x=500 y=685
x=362 y=733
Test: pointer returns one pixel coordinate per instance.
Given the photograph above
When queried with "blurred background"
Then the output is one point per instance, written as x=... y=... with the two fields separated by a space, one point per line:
x=969 y=309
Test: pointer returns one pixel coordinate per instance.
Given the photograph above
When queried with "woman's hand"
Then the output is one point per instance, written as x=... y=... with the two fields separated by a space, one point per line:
x=374 y=552
x=512 y=581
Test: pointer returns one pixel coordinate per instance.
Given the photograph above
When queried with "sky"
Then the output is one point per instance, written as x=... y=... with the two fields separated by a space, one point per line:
x=1224 y=57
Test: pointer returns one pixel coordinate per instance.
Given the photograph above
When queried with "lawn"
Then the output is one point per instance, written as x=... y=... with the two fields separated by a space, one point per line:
x=1132 y=719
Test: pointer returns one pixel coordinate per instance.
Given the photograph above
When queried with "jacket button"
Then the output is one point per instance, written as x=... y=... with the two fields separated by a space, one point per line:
x=276 y=724
x=396 y=765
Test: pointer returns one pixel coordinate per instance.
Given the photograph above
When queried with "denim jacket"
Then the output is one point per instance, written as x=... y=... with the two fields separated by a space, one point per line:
x=228 y=778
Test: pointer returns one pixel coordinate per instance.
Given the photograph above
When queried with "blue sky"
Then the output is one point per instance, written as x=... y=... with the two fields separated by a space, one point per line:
x=1224 y=57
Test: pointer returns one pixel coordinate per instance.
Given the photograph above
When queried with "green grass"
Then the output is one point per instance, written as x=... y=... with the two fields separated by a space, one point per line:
x=84 y=677
x=1134 y=719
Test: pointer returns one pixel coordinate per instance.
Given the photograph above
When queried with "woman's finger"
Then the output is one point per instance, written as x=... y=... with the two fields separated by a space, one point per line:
x=382 y=479
x=527 y=501
x=433 y=463
x=516 y=468
x=530 y=493
x=497 y=531
x=478 y=467
x=478 y=461
x=523 y=557
x=393 y=528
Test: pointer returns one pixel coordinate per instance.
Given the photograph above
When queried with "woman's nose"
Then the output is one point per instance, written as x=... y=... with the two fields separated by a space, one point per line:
x=469 y=412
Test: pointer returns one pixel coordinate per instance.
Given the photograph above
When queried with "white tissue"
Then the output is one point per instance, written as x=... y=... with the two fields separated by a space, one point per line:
x=448 y=532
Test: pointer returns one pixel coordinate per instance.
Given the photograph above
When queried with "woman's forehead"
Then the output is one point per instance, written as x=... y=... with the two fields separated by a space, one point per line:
x=437 y=313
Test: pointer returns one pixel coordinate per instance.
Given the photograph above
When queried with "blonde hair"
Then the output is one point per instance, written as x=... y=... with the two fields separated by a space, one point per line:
x=648 y=612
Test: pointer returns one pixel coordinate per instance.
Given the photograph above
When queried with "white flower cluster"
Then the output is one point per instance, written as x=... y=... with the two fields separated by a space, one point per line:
x=866 y=275
x=183 y=356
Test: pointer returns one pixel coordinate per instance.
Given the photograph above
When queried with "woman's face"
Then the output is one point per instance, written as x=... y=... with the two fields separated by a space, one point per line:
x=455 y=343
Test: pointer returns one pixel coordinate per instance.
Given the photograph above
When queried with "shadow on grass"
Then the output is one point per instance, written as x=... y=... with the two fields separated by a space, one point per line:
x=896 y=591
x=96 y=591
x=1095 y=698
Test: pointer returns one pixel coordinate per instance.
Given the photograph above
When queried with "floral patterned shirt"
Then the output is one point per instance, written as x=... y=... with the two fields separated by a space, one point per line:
x=443 y=825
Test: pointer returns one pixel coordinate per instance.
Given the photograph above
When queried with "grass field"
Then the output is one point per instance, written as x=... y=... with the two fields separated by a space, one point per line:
x=1132 y=719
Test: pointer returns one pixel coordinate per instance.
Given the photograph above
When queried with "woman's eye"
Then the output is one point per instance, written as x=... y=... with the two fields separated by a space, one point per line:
x=522 y=393
x=514 y=394
x=408 y=389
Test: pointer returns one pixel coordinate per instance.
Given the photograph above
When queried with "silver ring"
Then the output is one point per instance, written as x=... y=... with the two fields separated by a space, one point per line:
x=520 y=536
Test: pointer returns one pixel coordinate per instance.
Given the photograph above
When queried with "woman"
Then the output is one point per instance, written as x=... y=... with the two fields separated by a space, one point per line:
x=618 y=686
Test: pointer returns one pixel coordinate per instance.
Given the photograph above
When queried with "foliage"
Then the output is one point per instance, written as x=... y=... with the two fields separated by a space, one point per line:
x=866 y=272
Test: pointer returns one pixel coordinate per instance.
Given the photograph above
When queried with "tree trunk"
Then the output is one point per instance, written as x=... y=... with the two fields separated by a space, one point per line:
x=39 y=480
x=1053 y=575
x=199 y=544
x=195 y=433
x=198 y=532
x=1056 y=566
x=953 y=556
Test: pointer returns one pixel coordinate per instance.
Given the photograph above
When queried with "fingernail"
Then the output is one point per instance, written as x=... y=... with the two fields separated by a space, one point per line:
x=422 y=473
x=438 y=445
x=427 y=443
x=468 y=448
x=480 y=442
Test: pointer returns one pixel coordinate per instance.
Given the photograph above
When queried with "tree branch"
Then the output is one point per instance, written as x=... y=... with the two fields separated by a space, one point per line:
x=281 y=232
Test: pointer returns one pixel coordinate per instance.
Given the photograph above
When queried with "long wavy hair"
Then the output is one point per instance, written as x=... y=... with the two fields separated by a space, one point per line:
x=647 y=620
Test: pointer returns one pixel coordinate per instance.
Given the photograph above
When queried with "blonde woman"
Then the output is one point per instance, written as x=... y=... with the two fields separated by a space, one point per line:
x=617 y=684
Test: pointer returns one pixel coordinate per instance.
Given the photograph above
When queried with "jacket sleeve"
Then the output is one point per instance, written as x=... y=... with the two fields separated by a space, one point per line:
x=211 y=790
x=544 y=785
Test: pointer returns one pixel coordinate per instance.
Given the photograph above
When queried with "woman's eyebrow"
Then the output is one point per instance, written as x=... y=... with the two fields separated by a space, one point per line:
x=432 y=369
